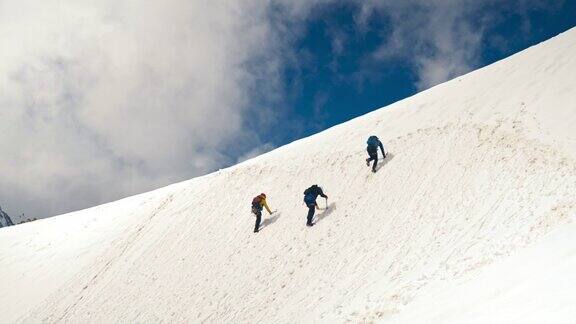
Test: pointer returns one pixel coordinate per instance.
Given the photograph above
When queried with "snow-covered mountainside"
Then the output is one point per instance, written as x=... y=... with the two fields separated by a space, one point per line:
x=469 y=220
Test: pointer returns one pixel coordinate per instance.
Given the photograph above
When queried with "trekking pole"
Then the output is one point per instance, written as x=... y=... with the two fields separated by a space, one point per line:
x=326 y=203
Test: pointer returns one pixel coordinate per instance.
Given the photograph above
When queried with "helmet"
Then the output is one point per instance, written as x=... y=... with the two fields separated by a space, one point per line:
x=263 y=195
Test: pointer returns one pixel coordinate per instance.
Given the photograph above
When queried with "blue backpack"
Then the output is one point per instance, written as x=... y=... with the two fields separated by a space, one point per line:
x=310 y=195
x=373 y=141
x=309 y=198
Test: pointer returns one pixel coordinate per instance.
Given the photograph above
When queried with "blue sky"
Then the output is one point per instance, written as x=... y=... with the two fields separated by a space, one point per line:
x=336 y=85
x=101 y=99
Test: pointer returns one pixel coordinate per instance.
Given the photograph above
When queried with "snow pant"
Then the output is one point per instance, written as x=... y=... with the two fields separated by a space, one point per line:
x=311 y=209
x=373 y=153
x=258 y=214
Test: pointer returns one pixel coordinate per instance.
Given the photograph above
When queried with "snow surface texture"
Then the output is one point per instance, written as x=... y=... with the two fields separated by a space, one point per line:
x=469 y=220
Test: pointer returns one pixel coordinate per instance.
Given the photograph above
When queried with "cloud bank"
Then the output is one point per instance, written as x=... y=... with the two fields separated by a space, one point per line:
x=102 y=99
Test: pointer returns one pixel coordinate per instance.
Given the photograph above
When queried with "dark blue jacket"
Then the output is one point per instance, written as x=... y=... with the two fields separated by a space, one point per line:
x=312 y=193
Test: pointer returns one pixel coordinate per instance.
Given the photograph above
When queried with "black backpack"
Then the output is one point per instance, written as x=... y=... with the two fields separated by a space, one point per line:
x=311 y=190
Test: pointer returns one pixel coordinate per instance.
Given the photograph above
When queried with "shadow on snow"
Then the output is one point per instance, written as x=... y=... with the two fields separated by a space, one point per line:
x=268 y=221
x=331 y=208
x=383 y=162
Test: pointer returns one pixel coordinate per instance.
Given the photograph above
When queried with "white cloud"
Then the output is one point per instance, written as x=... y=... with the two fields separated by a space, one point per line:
x=443 y=38
x=101 y=99
x=438 y=37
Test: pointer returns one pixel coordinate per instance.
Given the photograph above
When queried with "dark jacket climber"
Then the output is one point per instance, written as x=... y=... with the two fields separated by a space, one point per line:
x=372 y=149
x=310 y=196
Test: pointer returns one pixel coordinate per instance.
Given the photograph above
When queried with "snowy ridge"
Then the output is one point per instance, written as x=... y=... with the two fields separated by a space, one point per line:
x=479 y=186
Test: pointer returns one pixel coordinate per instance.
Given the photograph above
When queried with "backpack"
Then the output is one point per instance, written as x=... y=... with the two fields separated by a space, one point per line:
x=256 y=202
x=310 y=194
x=373 y=141
x=311 y=190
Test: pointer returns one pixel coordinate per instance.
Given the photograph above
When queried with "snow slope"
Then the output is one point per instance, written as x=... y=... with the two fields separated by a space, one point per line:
x=469 y=220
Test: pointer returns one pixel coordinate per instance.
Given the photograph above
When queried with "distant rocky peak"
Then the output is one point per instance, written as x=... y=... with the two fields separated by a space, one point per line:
x=5 y=220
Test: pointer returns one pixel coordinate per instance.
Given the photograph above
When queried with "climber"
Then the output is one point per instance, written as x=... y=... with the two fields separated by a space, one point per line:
x=257 y=204
x=372 y=149
x=310 y=196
